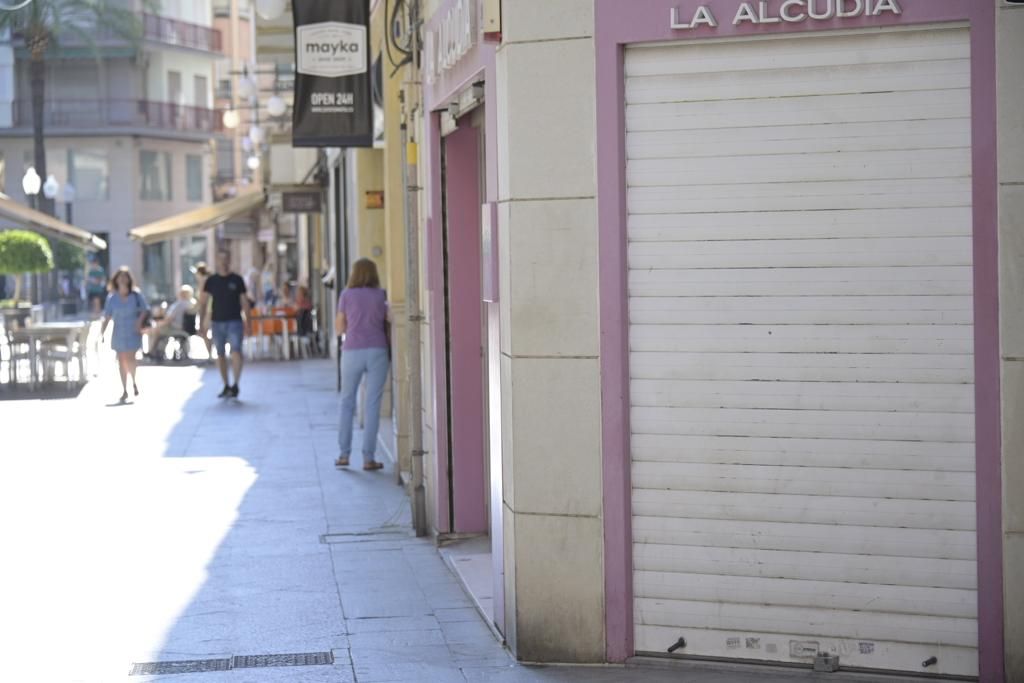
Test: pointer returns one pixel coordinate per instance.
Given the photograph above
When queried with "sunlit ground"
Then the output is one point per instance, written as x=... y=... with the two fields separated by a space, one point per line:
x=98 y=522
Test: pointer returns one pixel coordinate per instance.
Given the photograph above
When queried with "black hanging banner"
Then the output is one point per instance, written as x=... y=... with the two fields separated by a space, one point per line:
x=333 y=105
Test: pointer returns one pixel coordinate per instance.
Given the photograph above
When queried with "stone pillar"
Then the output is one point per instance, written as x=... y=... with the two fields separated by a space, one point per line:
x=550 y=375
x=1010 y=93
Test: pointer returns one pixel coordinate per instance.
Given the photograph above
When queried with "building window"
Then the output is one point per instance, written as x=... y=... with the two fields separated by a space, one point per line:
x=194 y=177
x=90 y=173
x=225 y=159
x=201 y=91
x=155 y=175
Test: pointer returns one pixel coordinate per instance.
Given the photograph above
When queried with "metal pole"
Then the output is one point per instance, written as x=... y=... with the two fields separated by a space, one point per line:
x=412 y=299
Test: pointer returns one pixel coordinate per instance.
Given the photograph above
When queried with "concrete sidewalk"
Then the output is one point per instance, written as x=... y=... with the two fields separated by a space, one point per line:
x=313 y=560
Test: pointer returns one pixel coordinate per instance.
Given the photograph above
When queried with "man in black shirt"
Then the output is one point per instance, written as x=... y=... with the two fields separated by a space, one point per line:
x=229 y=300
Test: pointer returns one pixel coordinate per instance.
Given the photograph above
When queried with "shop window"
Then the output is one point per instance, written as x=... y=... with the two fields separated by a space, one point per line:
x=194 y=177
x=155 y=175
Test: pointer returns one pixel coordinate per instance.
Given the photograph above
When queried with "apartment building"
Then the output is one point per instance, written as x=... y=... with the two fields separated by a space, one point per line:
x=130 y=127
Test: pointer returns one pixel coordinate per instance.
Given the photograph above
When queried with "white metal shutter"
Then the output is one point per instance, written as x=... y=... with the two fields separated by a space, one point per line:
x=801 y=348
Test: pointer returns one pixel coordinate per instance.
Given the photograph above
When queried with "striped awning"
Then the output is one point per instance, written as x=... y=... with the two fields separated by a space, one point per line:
x=49 y=226
x=197 y=220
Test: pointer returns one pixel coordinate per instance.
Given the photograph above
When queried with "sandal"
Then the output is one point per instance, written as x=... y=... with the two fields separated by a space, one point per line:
x=342 y=461
x=369 y=466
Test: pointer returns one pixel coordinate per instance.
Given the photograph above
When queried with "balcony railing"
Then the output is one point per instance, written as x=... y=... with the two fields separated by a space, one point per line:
x=120 y=114
x=177 y=32
x=154 y=27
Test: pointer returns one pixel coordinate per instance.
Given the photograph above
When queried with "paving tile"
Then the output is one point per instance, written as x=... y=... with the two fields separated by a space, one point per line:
x=456 y=614
x=469 y=632
x=414 y=663
x=376 y=625
x=385 y=640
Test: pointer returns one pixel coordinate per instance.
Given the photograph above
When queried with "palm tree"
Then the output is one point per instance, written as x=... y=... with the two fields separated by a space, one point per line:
x=45 y=23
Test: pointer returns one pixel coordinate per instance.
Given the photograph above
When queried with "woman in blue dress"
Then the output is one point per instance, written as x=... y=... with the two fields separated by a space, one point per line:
x=128 y=309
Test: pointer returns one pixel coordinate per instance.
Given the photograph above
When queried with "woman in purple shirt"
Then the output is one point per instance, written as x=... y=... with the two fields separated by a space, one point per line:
x=362 y=317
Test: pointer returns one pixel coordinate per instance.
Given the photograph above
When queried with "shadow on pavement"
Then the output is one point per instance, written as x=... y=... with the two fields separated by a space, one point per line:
x=48 y=392
x=241 y=569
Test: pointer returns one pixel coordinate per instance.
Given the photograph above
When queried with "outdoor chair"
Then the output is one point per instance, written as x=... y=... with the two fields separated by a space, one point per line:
x=18 y=351
x=56 y=351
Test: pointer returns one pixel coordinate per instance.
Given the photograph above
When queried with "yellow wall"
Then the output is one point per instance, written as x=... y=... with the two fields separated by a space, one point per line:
x=368 y=173
x=393 y=228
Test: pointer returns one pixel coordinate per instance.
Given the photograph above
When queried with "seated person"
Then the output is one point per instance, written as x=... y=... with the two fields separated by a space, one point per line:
x=174 y=323
x=285 y=297
x=304 y=312
x=303 y=302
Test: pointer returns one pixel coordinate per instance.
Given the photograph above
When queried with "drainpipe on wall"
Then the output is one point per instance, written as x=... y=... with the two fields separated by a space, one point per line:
x=412 y=298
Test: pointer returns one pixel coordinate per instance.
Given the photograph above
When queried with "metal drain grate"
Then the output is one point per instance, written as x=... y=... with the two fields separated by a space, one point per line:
x=297 y=659
x=186 y=666
x=192 y=666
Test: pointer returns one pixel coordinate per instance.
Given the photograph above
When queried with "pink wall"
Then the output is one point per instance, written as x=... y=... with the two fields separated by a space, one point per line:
x=477 y=64
x=465 y=325
x=619 y=23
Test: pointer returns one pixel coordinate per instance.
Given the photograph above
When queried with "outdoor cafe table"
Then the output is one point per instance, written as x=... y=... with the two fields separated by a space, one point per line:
x=34 y=334
x=285 y=318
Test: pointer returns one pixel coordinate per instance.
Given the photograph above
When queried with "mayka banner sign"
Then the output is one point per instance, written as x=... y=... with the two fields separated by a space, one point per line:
x=333 y=104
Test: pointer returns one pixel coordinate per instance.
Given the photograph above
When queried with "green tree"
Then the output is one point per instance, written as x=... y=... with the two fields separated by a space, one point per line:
x=22 y=252
x=45 y=23
x=67 y=257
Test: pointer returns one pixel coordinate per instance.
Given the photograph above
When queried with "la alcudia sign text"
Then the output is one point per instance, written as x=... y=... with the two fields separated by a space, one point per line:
x=790 y=12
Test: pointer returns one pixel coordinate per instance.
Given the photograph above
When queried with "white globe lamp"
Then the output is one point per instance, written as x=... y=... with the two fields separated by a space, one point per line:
x=31 y=182
x=276 y=106
x=231 y=119
x=247 y=87
x=253 y=162
x=270 y=9
x=256 y=135
x=51 y=187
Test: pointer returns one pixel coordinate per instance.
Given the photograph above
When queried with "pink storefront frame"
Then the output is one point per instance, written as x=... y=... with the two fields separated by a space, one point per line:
x=619 y=23
x=476 y=65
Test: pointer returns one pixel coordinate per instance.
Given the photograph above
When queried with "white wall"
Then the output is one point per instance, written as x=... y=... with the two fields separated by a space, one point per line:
x=550 y=375
x=188 y=65
x=193 y=11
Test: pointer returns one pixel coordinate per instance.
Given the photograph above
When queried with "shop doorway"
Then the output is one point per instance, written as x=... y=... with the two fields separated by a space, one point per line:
x=471 y=373
x=464 y=325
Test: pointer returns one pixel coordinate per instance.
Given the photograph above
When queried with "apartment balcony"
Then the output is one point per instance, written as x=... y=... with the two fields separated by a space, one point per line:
x=97 y=115
x=180 y=33
x=155 y=28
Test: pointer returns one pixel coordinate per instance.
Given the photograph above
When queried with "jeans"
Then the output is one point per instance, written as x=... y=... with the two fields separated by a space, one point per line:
x=228 y=333
x=354 y=364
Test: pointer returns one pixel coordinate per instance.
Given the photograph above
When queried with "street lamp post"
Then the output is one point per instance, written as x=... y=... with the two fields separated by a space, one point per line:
x=50 y=190
x=68 y=195
x=31 y=184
